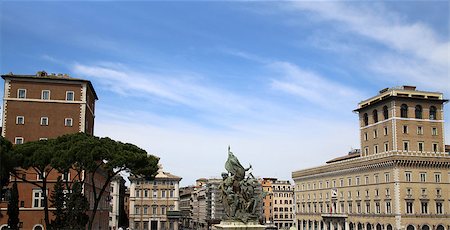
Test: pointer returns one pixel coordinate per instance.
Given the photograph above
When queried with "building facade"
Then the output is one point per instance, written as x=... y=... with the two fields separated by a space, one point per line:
x=399 y=180
x=39 y=107
x=154 y=204
x=278 y=203
x=117 y=215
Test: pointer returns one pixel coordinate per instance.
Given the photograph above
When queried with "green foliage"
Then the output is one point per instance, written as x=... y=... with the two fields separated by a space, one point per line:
x=7 y=163
x=58 y=199
x=13 y=208
x=76 y=207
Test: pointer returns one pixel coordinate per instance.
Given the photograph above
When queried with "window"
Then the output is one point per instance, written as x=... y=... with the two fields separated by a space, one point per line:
x=405 y=129
x=137 y=209
x=424 y=207
x=367 y=207
x=43 y=138
x=366 y=150
x=68 y=122
x=387 y=177
x=20 y=120
x=404 y=111
x=18 y=140
x=385 y=130
x=419 y=130
x=357 y=180
x=375 y=116
x=367 y=180
x=388 y=207
x=154 y=210
x=405 y=145
x=349 y=181
x=171 y=193
x=434 y=131
x=38 y=198
x=375 y=149
x=418 y=112
x=388 y=192
x=70 y=95
x=386 y=146
x=66 y=176
x=409 y=207
x=45 y=95
x=377 y=208
x=439 y=208
x=375 y=134
x=408 y=176
x=433 y=113
x=163 y=194
x=385 y=112
x=437 y=177
x=341 y=183
x=366 y=119
x=423 y=177
x=155 y=193
x=420 y=146
x=21 y=93
x=366 y=136
x=44 y=121
x=435 y=147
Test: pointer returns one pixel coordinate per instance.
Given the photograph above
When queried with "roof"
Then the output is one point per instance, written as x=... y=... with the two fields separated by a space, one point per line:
x=400 y=92
x=341 y=158
x=44 y=75
x=166 y=175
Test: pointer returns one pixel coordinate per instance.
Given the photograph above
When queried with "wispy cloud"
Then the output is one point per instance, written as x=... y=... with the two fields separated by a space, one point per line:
x=416 y=53
x=311 y=86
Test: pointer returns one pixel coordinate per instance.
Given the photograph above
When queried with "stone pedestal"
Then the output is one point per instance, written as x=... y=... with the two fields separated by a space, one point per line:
x=238 y=225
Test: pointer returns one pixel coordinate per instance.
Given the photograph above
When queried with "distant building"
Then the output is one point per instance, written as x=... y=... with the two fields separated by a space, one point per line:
x=399 y=180
x=186 y=206
x=39 y=107
x=154 y=204
x=117 y=216
x=278 y=203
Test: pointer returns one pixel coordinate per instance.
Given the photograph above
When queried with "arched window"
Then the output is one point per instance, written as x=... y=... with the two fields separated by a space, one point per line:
x=433 y=113
x=366 y=119
x=410 y=227
x=375 y=116
x=38 y=227
x=385 y=112
x=389 y=227
x=440 y=227
x=425 y=227
x=418 y=112
x=368 y=226
x=379 y=227
x=404 y=111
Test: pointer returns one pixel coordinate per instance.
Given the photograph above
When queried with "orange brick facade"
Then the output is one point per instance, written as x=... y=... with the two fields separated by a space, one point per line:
x=66 y=106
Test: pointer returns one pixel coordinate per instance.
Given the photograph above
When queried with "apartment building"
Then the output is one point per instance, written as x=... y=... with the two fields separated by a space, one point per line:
x=117 y=215
x=42 y=106
x=154 y=204
x=399 y=180
x=278 y=203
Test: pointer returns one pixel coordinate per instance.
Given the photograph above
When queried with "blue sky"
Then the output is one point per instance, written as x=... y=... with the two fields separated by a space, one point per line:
x=275 y=80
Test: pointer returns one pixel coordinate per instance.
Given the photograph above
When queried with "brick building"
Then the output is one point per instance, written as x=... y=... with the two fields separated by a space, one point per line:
x=39 y=107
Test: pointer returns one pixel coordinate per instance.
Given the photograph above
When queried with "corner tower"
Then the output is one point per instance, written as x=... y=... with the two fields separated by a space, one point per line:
x=402 y=120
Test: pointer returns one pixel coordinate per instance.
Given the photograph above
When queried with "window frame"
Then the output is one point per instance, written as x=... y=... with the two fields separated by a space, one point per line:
x=42 y=123
x=22 y=119
x=404 y=111
x=67 y=95
x=66 y=122
x=17 y=140
x=42 y=94
x=418 y=112
x=39 y=199
x=24 y=93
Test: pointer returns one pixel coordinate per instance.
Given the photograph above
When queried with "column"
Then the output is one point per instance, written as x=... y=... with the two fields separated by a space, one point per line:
x=347 y=227
x=331 y=225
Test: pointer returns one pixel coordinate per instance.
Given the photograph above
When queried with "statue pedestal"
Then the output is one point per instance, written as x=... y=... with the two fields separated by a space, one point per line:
x=238 y=225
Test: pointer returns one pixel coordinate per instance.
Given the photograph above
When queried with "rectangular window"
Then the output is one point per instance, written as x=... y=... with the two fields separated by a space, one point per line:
x=435 y=147
x=405 y=129
x=357 y=180
x=375 y=177
x=70 y=95
x=44 y=121
x=434 y=131
x=375 y=134
x=136 y=209
x=20 y=120
x=419 y=130
x=408 y=176
x=68 y=122
x=155 y=193
x=66 y=176
x=386 y=146
x=388 y=207
x=409 y=207
x=38 y=198
x=405 y=145
x=341 y=183
x=424 y=207
x=365 y=136
x=377 y=208
x=388 y=192
x=387 y=177
x=385 y=131
x=45 y=95
x=349 y=181
x=437 y=177
x=439 y=208
x=375 y=149
x=366 y=180
x=43 y=138
x=367 y=207
x=18 y=140
x=366 y=150
x=21 y=93
x=420 y=146
x=423 y=177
